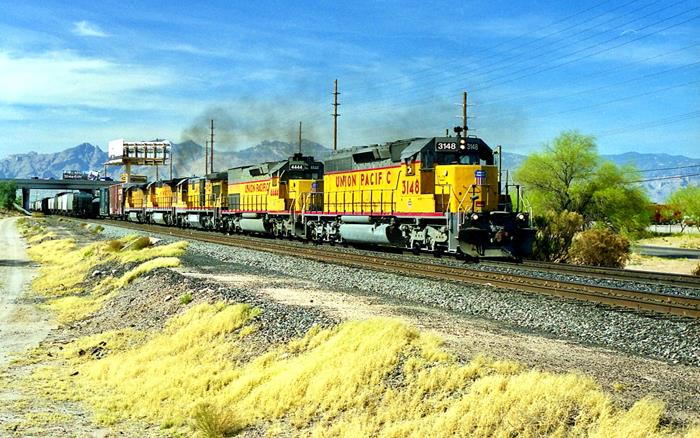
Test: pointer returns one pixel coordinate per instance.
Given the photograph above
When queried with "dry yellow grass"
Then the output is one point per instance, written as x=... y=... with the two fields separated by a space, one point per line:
x=65 y=267
x=363 y=378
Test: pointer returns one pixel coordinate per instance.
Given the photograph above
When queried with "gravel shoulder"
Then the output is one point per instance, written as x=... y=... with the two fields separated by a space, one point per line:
x=22 y=325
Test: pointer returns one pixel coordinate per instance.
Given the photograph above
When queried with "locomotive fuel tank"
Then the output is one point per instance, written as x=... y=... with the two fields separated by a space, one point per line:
x=382 y=234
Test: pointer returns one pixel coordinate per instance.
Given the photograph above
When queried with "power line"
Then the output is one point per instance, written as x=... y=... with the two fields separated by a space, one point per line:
x=603 y=50
x=653 y=124
x=561 y=64
x=669 y=168
x=598 y=44
x=596 y=74
x=664 y=178
x=503 y=79
x=608 y=102
x=517 y=46
x=593 y=90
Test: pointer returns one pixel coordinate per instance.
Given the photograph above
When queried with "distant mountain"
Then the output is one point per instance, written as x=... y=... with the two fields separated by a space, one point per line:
x=654 y=166
x=82 y=157
x=189 y=160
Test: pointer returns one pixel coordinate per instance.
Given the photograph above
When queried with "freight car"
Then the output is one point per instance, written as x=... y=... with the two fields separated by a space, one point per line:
x=76 y=204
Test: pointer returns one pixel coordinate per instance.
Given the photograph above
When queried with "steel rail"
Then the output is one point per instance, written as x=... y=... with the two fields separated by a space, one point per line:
x=671 y=304
x=676 y=280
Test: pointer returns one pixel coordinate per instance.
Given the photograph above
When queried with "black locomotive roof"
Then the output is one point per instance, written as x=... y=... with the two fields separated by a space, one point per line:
x=297 y=162
x=376 y=155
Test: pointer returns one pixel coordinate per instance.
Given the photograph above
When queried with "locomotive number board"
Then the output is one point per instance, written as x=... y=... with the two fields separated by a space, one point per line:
x=453 y=146
x=446 y=146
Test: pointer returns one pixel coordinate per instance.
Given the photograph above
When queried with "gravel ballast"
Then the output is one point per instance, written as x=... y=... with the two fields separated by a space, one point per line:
x=673 y=340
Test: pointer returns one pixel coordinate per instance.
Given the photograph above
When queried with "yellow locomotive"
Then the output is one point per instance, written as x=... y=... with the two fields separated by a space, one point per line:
x=439 y=194
x=270 y=197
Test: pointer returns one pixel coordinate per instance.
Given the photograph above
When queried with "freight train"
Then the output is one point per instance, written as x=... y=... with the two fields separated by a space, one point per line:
x=439 y=194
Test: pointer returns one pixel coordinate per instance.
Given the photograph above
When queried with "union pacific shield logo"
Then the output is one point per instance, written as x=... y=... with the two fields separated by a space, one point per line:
x=480 y=176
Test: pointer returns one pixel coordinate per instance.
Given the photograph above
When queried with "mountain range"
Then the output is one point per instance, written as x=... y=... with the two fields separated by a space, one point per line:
x=188 y=160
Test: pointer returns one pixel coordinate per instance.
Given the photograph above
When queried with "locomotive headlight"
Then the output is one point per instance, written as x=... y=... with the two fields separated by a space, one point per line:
x=521 y=217
x=475 y=217
x=462 y=143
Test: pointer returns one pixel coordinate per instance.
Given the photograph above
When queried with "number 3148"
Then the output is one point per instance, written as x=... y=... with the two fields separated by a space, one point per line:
x=410 y=187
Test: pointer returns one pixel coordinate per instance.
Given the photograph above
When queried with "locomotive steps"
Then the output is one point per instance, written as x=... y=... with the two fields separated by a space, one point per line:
x=120 y=362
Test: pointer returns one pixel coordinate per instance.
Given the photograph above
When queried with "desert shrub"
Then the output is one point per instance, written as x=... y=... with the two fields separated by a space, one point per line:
x=696 y=270
x=555 y=232
x=214 y=423
x=114 y=245
x=140 y=243
x=600 y=247
x=186 y=298
x=97 y=229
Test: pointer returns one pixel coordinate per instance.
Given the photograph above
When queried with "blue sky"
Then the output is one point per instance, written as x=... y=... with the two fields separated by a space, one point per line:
x=625 y=71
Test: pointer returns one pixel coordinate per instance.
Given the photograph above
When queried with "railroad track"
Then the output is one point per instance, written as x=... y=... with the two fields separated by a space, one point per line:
x=676 y=280
x=637 y=300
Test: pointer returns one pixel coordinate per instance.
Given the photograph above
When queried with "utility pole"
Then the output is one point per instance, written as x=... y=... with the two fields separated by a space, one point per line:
x=211 y=143
x=171 y=162
x=464 y=113
x=206 y=157
x=500 y=167
x=299 y=138
x=335 y=115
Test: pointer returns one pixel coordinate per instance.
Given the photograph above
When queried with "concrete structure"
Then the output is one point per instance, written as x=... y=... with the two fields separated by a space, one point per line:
x=138 y=153
x=83 y=185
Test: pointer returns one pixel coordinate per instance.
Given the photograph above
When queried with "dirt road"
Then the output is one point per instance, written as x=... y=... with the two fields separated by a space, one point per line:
x=21 y=324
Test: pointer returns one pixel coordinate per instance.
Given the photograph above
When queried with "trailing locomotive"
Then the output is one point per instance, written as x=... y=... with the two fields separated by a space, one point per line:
x=439 y=194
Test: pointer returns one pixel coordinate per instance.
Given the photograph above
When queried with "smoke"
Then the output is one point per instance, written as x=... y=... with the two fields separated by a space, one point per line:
x=248 y=122
x=243 y=124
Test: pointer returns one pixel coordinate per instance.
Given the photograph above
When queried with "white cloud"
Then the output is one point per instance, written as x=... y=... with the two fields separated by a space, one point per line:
x=84 y=28
x=66 y=79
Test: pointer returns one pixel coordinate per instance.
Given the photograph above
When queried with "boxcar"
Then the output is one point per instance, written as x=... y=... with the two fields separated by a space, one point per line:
x=103 y=202
x=116 y=201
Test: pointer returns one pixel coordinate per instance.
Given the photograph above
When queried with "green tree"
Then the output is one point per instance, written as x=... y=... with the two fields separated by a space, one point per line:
x=687 y=201
x=8 y=193
x=569 y=175
x=559 y=177
x=616 y=203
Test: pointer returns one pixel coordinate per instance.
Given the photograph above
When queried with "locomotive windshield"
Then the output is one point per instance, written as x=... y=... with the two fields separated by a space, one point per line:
x=461 y=150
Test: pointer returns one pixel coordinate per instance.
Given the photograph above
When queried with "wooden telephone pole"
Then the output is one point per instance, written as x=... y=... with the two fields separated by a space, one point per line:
x=299 y=137
x=335 y=115
x=464 y=114
x=211 y=144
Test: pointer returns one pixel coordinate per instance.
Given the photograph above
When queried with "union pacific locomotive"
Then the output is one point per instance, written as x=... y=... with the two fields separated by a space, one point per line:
x=439 y=194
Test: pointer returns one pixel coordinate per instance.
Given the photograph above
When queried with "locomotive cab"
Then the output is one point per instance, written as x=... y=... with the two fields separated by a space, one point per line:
x=467 y=180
